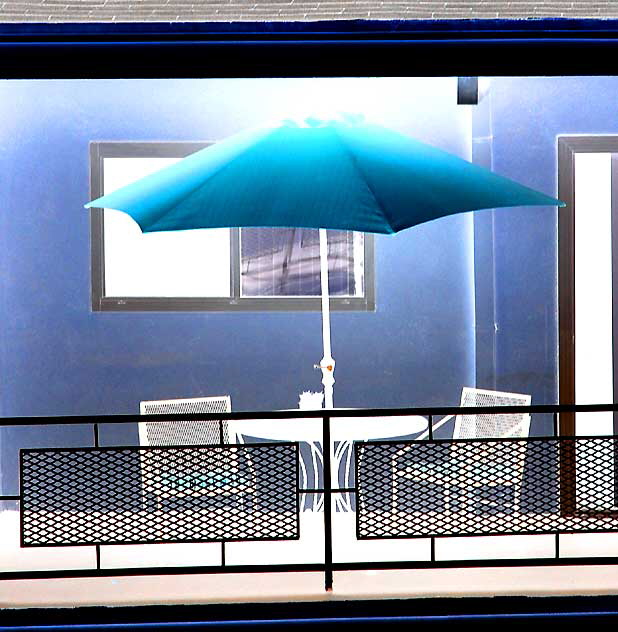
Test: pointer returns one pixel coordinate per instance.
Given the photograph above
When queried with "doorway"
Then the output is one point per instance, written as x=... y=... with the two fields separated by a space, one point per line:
x=588 y=280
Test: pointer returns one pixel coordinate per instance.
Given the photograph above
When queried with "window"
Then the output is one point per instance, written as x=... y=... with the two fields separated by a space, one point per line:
x=216 y=269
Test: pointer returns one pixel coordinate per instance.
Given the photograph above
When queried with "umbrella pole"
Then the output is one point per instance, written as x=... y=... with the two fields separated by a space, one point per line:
x=328 y=363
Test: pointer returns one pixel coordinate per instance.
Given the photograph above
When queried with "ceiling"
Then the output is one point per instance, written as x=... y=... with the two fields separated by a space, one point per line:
x=294 y=10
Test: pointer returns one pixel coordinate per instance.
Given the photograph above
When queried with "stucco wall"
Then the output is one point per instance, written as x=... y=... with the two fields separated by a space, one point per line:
x=58 y=357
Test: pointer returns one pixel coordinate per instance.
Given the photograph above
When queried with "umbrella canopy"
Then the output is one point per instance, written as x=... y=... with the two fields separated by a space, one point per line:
x=347 y=175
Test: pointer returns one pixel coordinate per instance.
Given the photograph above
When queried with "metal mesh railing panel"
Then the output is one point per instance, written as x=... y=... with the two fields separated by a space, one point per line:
x=486 y=487
x=90 y=496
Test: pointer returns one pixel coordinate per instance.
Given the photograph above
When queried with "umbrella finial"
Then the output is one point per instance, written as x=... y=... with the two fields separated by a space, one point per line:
x=349 y=119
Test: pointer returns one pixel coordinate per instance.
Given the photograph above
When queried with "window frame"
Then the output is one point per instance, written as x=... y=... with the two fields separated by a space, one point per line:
x=100 y=302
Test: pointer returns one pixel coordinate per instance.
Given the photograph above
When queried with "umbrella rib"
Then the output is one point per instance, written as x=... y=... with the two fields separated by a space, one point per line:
x=223 y=167
x=359 y=170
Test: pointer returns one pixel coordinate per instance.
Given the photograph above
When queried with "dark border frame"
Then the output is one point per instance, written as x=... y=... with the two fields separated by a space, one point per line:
x=466 y=47
x=99 y=150
x=441 y=47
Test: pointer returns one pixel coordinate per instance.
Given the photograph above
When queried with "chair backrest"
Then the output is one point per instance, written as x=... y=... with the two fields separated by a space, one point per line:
x=184 y=432
x=492 y=426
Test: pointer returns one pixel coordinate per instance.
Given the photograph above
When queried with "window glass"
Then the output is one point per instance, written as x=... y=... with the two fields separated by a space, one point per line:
x=286 y=262
x=183 y=263
x=222 y=268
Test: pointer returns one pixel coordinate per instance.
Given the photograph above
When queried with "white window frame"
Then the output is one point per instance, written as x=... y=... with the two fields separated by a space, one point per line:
x=235 y=301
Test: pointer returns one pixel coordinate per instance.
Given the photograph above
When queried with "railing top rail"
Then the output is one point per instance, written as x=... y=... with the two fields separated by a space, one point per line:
x=305 y=414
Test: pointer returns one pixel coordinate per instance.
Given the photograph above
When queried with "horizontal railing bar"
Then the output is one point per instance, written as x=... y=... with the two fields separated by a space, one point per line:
x=480 y=563
x=333 y=490
x=161 y=570
x=62 y=545
x=493 y=534
x=270 y=444
x=306 y=414
x=546 y=438
x=17 y=497
x=230 y=447
x=318 y=567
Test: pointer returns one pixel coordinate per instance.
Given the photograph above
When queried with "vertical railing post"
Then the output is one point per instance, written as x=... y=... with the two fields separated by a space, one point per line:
x=556 y=431
x=221 y=443
x=432 y=540
x=615 y=441
x=95 y=438
x=328 y=524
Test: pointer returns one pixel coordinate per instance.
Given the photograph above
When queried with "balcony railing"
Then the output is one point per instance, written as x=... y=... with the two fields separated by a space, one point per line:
x=331 y=491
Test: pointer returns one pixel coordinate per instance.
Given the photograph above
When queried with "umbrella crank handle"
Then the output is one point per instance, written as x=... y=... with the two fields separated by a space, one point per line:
x=327 y=367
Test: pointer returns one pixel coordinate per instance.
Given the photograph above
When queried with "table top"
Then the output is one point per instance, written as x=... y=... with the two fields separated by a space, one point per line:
x=342 y=429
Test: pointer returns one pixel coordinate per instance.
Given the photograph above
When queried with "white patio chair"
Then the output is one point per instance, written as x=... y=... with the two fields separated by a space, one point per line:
x=171 y=484
x=183 y=432
x=482 y=471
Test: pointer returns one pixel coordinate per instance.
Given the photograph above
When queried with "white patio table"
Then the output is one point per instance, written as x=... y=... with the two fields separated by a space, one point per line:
x=343 y=432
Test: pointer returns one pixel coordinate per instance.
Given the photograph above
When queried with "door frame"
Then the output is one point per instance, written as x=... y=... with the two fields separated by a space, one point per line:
x=568 y=147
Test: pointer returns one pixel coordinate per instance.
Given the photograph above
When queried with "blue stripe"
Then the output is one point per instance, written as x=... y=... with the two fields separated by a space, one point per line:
x=315 y=620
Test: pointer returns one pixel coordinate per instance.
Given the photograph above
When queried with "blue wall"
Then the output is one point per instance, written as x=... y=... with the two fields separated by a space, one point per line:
x=59 y=358
x=457 y=303
x=527 y=115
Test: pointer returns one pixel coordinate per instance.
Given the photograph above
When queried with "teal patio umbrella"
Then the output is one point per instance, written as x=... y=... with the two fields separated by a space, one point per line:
x=347 y=175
